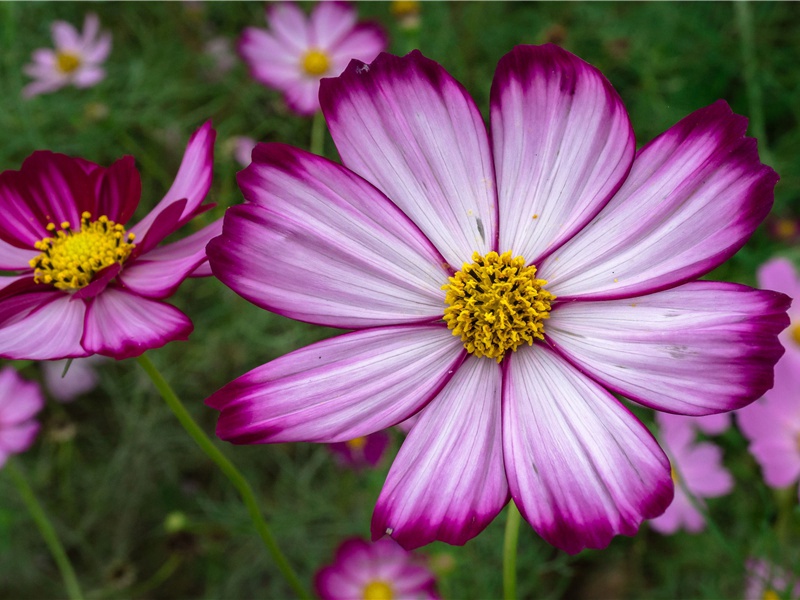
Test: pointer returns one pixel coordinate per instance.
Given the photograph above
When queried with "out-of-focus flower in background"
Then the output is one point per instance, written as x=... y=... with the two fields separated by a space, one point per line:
x=361 y=452
x=696 y=468
x=20 y=400
x=766 y=581
x=75 y=60
x=84 y=284
x=407 y=13
x=780 y=274
x=377 y=571
x=81 y=377
x=298 y=51
x=243 y=149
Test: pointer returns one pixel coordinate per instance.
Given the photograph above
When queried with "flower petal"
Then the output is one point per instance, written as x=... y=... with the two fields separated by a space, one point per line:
x=192 y=181
x=320 y=244
x=15 y=259
x=17 y=438
x=270 y=62
x=65 y=36
x=562 y=143
x=339 y=389
x=20 y=399
x=302 y=96
x=41 y=326
x=580 y=467
x=330 y=22
x=123 y=325
x=448 y=481
x=413 y=131
x=702 y=348
x=363 y=43
x=119 y=188
x=159 y=273
x=695 y=194
x=289 y=24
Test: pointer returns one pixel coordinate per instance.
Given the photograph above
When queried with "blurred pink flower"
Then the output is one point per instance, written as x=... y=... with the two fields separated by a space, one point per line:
x=81 y=377
x=375 y=571
x=243 y=149
x=697 y=466
x=708 y=424
x=297 y=52
x=765 y=581
x=84 y=284
x=20 y=400
x=779 y=274
x=75 y=60
x=772 y=425
x=361 y=452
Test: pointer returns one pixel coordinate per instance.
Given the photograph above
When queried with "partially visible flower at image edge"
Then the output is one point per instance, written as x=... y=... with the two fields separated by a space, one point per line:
x=298 y=51
x=75 y=60
x=85 y=284
x=501 y=288
x=766 y=581
x=378 y=571
x=781 y=275
x=697 y=466
x=20 y=400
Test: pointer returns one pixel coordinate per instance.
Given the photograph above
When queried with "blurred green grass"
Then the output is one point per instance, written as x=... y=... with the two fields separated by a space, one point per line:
x=111 y=466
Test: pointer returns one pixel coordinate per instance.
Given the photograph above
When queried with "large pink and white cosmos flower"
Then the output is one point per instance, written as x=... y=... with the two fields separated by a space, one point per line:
x=84 y=284
x=298 y=51
x=75 y=60
x=562 y=259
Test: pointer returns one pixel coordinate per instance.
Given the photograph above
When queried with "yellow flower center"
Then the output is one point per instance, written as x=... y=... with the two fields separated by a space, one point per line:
x=403 y=8
x=796 y=333
x=674 y=474
x=496 y=304
x=378 y=590
x=69 y=259
x=316 y=63
x=357 y=443
x=770 y=594
x=67 y=62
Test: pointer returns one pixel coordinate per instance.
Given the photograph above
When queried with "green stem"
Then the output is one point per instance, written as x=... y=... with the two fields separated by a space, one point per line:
x=231 y=472
x=47 y=530
x=317 y=145
x=510 y=552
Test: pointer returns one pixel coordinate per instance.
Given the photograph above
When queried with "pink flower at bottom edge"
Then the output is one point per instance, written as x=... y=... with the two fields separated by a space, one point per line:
x=20 y=400
x=562 y=259
x=375 y=571
x=85 y=284
x=766 y=581
x=697 y=467
x=76 y=59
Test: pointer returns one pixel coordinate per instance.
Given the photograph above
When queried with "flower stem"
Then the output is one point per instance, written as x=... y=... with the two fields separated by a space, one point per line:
x=317 y=145
x=510 y=552
x=230 y=471
x=47 y=530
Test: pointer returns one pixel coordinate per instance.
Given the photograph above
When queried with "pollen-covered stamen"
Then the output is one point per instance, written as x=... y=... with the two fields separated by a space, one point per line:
x=67 y=62
x=316 y=63
x=70 y=258
x=496 y=304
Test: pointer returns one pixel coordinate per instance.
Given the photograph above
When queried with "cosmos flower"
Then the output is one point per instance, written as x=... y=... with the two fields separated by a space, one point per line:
x=502 y=288
x=374 y=572
x=766 y=581
x=20 y=400
x=361 y=452
x=298 y=51
x=772 y=426
x=85 y=284
x=779 y=274
x=81 y=377
x=76 y=59
x=697 y=467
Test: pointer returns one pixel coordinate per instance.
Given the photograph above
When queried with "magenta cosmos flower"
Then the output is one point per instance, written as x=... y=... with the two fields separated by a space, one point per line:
x=20 y=400
x=378 y=571
x=696 y=466
x=75 y=60
x=85 y=284
x=298 y=51
x=502 y=287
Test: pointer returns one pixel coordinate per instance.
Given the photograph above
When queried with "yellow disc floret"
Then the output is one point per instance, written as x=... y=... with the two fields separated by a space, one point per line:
x=378 y=590
x=795 y=331
x=496 y=304
x=67 y=62
x=316 y=63
x=357 y=443
x=69 y=258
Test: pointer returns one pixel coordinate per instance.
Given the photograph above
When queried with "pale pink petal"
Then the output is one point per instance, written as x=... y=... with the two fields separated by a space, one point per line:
x=562 y=145
x=413 y=131
x=41 y=326
x=339 y=389
x=44 y=57
x=123 y=325
x=65 y=36
x=680 y=514
x=329 y=23
x=270 y=62
x=17 y=438
x=81 y=377
x=581 y=468
x=695 y=194
x=91 y=26
x=363 y=43
x=289 y=25
x=702 y=471
x=652 y=348
x=159 y=272
x=779 y=274
x=99 y=51
x=88 y=76
x=448 y=481
x=20 y=399
x=192 y=181
x=322 y=245
x=243 y=149
x=302 y=96
x=43 y=87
